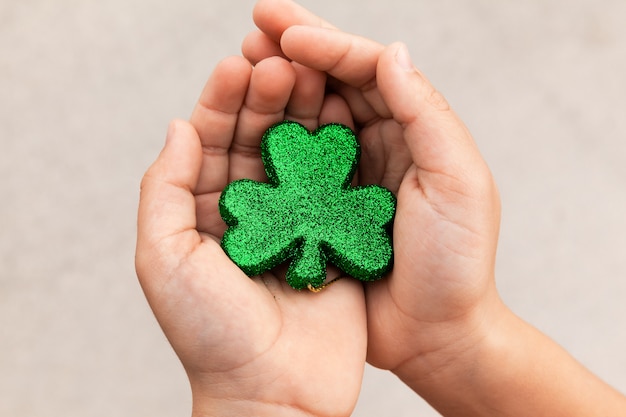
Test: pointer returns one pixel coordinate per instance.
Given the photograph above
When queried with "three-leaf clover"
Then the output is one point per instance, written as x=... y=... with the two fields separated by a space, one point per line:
x=308 y=212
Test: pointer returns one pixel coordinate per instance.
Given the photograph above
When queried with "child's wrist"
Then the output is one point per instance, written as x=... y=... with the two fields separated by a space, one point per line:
x=464 y=373
x=457 y=348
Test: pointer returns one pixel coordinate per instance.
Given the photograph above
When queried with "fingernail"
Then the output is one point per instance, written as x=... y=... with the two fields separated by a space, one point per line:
x=404 y=59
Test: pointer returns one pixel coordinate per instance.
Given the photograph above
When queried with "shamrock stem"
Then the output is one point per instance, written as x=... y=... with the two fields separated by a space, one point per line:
x=308 y=267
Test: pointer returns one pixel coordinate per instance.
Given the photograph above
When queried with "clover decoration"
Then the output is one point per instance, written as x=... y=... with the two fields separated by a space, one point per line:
x=308 y=212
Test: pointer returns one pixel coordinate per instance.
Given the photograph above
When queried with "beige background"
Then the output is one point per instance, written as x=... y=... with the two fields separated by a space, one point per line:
x=87 y=89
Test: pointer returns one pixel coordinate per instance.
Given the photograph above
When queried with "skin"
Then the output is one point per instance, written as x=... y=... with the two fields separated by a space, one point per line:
x=447 y=221
x=223 y=325
x=251 y=347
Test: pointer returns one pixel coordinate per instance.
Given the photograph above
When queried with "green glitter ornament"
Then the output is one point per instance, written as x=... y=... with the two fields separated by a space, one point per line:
x=308 y=212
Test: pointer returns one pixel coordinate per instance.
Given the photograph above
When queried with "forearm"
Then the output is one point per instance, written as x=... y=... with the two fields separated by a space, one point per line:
x=515 y=371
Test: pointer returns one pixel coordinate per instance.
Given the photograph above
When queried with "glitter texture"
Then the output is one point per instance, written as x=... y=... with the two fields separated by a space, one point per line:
x=308 y=212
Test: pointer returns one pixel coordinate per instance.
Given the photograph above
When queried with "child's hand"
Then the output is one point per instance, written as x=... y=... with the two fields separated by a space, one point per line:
x=437 y=320
x=433 y=304
x=249 y=346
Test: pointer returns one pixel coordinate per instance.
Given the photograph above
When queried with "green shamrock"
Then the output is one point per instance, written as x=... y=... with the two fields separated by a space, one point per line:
x=308 y=212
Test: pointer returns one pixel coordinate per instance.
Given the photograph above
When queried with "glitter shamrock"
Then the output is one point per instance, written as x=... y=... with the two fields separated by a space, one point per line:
x=308 y=212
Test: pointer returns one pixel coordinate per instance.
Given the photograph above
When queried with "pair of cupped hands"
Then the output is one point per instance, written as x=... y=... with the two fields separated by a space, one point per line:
x=258 y=347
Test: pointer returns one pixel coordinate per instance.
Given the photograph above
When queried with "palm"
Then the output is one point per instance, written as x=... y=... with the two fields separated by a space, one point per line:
x=438 y=244
x=443 y=233
x=283 y=348
x=287 y=347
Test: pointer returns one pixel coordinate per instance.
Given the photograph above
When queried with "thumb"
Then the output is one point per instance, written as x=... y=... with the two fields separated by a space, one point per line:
x=437 y=139
x=167 y=204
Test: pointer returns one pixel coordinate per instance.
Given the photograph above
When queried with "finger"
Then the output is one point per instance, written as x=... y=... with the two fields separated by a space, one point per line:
x=307 y=96
x=437 y=139
x=271 y=85
x=350 y=59
x=167 y=218
x=215 y=118
x=362 y=111
x=273 y=17
x=257 y=46
x=385 y=156
x=336 y=110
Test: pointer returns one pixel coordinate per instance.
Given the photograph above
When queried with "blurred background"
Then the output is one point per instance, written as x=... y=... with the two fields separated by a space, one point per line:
x=88 y=87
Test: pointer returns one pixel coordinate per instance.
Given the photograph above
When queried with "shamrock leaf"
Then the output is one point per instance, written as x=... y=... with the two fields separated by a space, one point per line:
x=308 y=212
